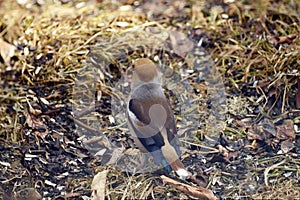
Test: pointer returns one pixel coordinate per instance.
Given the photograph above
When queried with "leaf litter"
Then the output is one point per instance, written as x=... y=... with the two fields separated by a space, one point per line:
x=255 y=46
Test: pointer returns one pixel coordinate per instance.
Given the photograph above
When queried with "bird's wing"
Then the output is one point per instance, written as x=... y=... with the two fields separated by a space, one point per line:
x=149 y=117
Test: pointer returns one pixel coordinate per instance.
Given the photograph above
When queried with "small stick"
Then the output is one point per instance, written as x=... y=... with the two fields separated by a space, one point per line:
x=195 y=191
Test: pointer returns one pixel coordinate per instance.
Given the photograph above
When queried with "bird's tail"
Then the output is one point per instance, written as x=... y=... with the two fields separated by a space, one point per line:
x=172 y=157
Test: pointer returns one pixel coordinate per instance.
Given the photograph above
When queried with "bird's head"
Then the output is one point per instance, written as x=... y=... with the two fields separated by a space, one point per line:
x=145 y=71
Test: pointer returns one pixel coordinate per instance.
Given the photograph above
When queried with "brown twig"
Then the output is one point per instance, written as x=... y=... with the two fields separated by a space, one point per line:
x=80 y=123
x=195 y=191
x=87 y=110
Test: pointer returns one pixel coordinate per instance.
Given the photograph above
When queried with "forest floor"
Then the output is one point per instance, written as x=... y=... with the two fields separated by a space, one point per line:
x=231 y=71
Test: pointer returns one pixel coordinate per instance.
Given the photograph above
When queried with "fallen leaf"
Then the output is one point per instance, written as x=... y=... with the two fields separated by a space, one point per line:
x=36 y=124
x=6 y=51
x=286 y=130
x=180 y=43
x=98 y=186
x=223 y=151
x=268 y=127
x=287 y=146
x=255 y=132
x=275 y=40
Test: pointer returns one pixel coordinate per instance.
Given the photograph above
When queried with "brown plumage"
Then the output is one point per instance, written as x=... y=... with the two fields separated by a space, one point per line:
x=151 y=119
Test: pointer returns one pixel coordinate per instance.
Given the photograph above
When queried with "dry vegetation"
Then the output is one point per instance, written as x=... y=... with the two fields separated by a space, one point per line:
x=48 y=48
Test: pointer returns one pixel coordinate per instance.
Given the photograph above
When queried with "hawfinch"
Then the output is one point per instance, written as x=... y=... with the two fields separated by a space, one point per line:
x=150 y=118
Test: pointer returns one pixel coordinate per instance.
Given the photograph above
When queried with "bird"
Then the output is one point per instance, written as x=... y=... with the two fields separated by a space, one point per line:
x=150 y=118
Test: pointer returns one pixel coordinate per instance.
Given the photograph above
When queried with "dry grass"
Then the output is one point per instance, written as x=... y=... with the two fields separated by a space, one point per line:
x=255 y=45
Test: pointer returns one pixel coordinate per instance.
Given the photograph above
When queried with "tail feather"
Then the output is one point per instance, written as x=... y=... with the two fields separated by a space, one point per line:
x=169 y=152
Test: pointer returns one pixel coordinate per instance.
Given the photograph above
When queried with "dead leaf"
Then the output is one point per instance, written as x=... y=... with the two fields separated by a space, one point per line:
x=286 y=130
x=275 y=40
x=268 y=127
x=255 y=132
x=36 y=124
x=227 y=153
x=98 y=186
x=223 y=151
x=195 y=191
x=287 y=146
x=6 y=51
x=180 y=43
